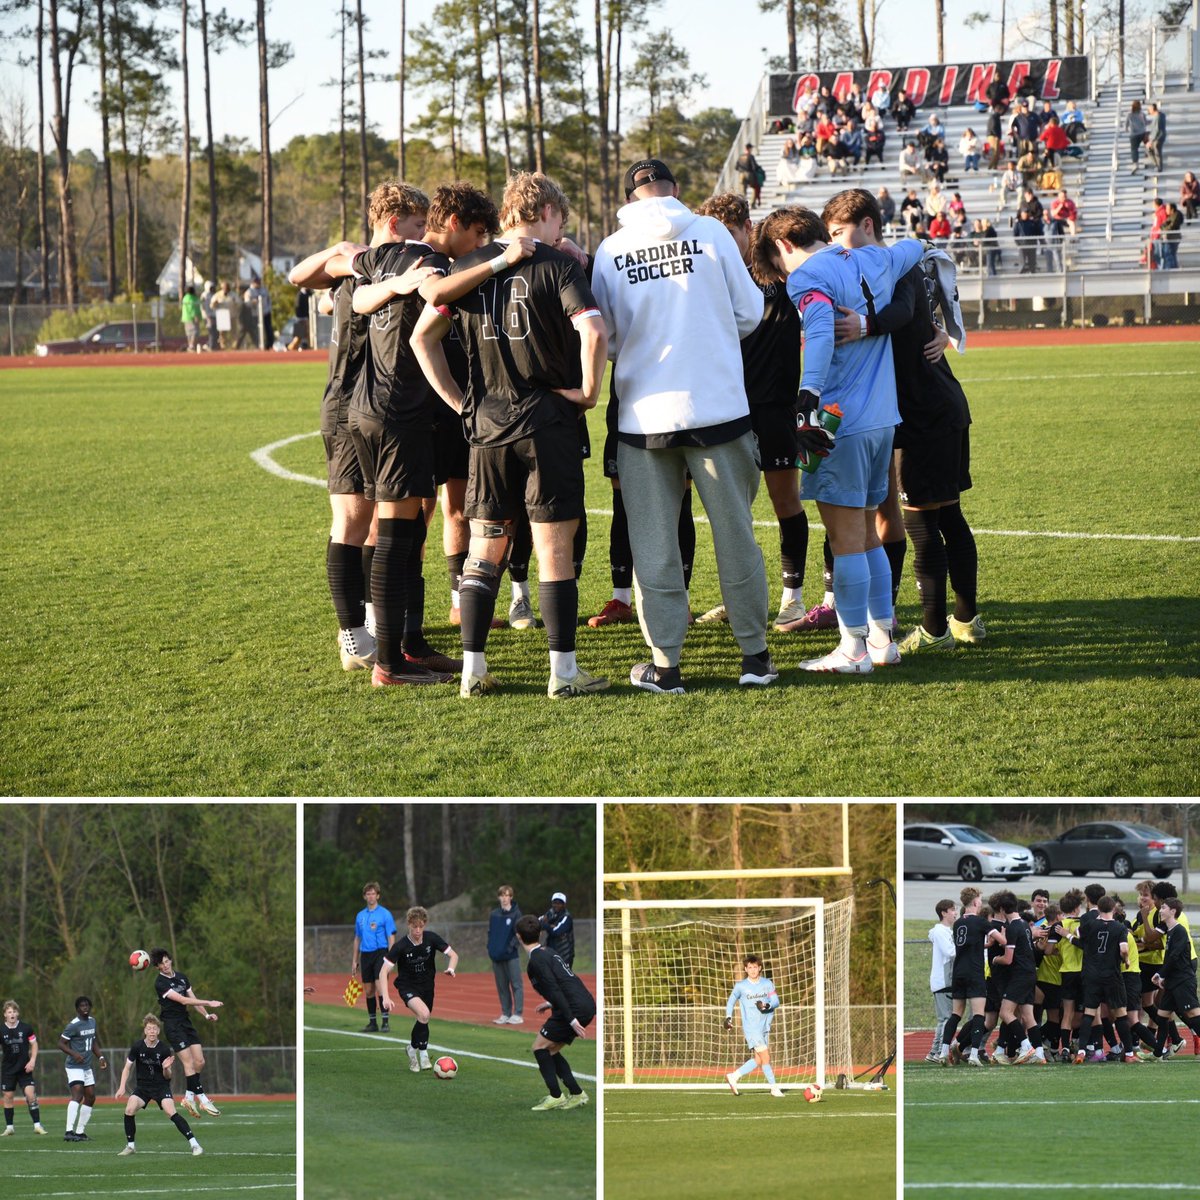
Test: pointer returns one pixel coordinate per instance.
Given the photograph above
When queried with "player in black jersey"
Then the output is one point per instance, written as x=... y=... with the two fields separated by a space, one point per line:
x=352 y=534
x=771 y=364
x=20 y=1057
x=537 y=349
x=572 y=1008
x=412 y=958
x=151 y=1060
x=972 y=934
x=175 y=997
x=1176 y=976
x=1105 y=948
x=1016 y=1002
x=932 y=443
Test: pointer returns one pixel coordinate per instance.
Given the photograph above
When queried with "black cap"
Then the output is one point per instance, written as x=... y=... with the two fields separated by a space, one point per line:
x=649 y=170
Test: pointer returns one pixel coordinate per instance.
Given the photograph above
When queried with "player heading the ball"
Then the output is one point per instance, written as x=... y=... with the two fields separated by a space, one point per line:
x=152 y=1059
x=175 y=997
x=758 y=1002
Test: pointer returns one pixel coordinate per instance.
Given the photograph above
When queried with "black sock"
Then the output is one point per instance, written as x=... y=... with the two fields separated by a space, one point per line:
x=1085 y=1032
x=948 y=1029
x=559 y=604
x=454 y=564
x=980 y=1034
x=687 y=536
x=180 y=1123
x=371 y=1007
x=8 y=1116
x=546 y=1066
x=193 y=1083
x=1110 y=1033
x=793 y=548
x=343 y=569
x=929 y=566
x=1124 y=1033
x=1193 y=1023
x=1143 y=1034
x=827 y=573
x=563 y=1070
x=420 y=1035
x=962 y=560
x=1050 y=1032
x=1164 y=1036
x=368 y=565
x=130 y=1128
x=620 y=554
x=522 y=550
x=895 y=552
x=36 y=1113
x=414 y=593
x=389 y=580
x=477 y=606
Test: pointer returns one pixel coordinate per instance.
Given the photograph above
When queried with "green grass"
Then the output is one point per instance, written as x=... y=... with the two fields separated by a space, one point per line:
x=696 y=1145
x=464 y=1138
x=1077 y=1117
x=168 y=629
x=250 y=1150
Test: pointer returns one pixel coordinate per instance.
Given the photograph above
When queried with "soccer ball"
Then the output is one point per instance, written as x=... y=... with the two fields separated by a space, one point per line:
x=812 y=1093
x=139 y=960
x=445 y=1068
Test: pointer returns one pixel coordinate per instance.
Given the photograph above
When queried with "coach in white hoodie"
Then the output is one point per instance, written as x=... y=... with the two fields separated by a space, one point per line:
x=677 y=300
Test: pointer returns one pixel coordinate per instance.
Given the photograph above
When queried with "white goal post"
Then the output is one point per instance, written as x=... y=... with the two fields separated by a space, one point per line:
x=669 y=966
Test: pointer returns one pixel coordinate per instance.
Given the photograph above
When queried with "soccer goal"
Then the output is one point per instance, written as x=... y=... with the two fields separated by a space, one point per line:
x=669 y=966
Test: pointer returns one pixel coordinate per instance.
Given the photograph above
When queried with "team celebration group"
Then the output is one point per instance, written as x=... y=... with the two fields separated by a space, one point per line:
x=469 y=343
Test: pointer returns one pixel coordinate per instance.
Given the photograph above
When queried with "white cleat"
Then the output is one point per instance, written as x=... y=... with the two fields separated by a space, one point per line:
x=197 y=1149
x=356 y=648
x=209 y=1107
x=188 y=1104
x=777 y=1093
x=40 y=1129
x=887 y=655
x=127 y=1152
x=413 y=1064
x=731 y=1079
x=9 y=1131
x=974 y=1060
x=426 y=1065
x=840 y=663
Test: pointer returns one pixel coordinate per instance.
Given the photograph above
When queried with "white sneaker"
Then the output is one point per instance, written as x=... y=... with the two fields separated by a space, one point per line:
x=426 y=1065
x=516 y=1019
x=887 y=655
x=520 y=614
x=840 y=663
x=731 y=1079
x=197 y=1149
x=974 y=1060
x=127 y=1152
x=777 y=1092
x=500 y=1020
x=413 y=1064
x=39 y=1128
x=209 y=1107
x=713 y=615
x=9 y=1131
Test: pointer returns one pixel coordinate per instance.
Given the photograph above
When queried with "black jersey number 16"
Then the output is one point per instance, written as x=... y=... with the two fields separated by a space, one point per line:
x=505 y=310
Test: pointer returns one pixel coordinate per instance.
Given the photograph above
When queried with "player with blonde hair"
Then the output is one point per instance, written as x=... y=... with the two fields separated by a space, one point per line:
x=151 y=1061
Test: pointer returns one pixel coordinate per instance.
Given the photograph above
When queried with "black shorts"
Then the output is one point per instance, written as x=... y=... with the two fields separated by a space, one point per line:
x=1181 y=998
x=16 y=1079
x=422 y=991
x=152 y=1097
x=451 y=451
x=1103 y=989
x=1020 y=987
x=541 y=474
x=341 y=460
x=1072 y=988
x=180 y=1034
x=775 y=427
x=995 y=989
x=1051 y=996
x=1148 y=972
x=936 y=470
x=369 y=962
x=556 y=1029
x=968 y=987
x=1133 y=990
x=397 y=461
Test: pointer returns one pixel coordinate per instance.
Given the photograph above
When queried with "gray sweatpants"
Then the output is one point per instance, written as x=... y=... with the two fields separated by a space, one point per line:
x=510 y=985
x=652 y=484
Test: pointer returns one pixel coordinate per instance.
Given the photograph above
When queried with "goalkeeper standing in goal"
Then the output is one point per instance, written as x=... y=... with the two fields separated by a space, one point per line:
x=756 y=997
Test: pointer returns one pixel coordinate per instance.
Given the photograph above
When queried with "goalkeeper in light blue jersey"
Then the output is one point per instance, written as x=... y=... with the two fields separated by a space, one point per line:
x=758 y=1001
x=858 y=378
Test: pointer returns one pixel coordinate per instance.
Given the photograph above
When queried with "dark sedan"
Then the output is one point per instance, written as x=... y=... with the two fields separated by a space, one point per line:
x=1121 y=847
x=113 y=336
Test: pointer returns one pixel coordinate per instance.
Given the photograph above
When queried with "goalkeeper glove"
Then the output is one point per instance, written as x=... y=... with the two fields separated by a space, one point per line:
x=762 y=1006
x=812 y=437
x=728 y=1022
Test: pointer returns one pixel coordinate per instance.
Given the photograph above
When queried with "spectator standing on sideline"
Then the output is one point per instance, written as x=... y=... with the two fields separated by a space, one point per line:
x=560 y=929
x=942 y=969
x=247 y=322
x=260 y=300
x=190 y=306
x=1027 y=230
x=751 y=173
x=300 y=329
x=506 y=958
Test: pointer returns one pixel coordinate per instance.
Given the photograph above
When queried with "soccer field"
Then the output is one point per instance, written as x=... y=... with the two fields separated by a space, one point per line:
x=370 y=1120
x=168 y=628
x=700 y=1145
x=1056 y=1131
x=249 y=1150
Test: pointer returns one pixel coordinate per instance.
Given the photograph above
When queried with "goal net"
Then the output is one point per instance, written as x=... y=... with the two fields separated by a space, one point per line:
x=669 y=966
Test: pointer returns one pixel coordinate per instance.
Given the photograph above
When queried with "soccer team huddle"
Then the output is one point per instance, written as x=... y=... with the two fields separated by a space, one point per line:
x=571 y=1008
x=1062 y=981
x=469 y=343
x=167 y=1039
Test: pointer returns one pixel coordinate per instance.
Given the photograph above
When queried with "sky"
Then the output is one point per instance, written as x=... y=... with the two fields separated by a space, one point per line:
x=729 y=42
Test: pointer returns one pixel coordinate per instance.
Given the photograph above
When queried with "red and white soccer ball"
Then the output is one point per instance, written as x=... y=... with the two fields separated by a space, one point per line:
x=445 y=1067
x=813 y=1093
x=139 y=960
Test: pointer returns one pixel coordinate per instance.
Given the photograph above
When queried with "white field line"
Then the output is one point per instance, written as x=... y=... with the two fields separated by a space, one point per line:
x=174 y=1190
x=391 y=1041
x=1077 y=1102
x=1022 y=1189
x=965 y=378
x=262 y=457
x=804 y=1114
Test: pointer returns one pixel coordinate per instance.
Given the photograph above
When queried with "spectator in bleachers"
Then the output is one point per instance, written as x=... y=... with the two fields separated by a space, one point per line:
x=850 y=141
x=1135 y=125
x=988 y=242
x=937 y=158
x=911 y=209
x=911 y=163
x=874 y=140
x=1064 y=214
x=1154 y=249
x=998 y=96
x=887 y=207
x=788 y=171
x=1027 y=231
x=935 y=202
x=957 y=210
x=994 y=148
x=903 y=110
x=808 y=156
x=933 y=129
x=1029 y=166
x=1054 y=138
x=939 y=230
x=826 y=136
x=960 y=247
x=825 y=102
x=1156 y=136
x=853 y=103
x=750 y=172
x=1009 y=185
x=1189 y=194
x=1031 y=204
x=1046 y=113
x=783 y=125
x=881 y=100
x=968 y=147
x=1172 y=233
x=806 y=103
x=1024 y=129
x=1072 y=123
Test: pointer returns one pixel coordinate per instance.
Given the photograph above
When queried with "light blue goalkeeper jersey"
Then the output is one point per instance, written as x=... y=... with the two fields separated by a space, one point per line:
x=858 y=376
x=755 y=1025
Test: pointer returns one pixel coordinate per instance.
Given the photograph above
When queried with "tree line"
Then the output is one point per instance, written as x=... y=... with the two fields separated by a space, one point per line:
x=86 y=884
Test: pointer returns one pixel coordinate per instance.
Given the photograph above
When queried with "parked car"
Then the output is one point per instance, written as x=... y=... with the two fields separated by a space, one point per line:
x=112 y=336
x=962 y=850
x=1121 y=847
